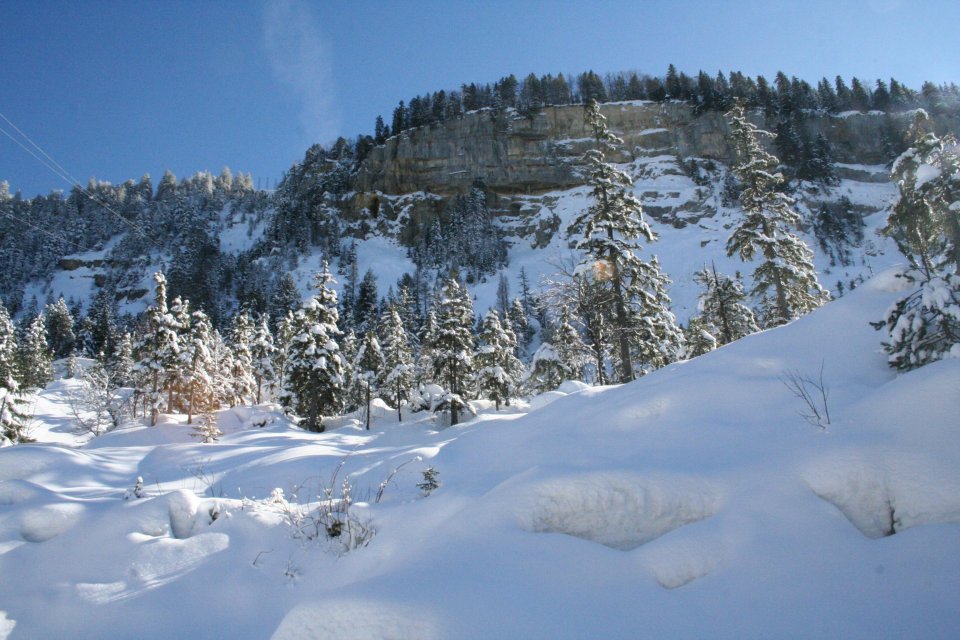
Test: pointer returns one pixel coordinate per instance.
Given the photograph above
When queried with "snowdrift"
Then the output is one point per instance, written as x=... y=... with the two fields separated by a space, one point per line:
x=695 y=502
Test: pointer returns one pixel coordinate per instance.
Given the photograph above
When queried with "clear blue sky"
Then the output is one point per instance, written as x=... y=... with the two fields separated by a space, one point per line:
x=116 y=89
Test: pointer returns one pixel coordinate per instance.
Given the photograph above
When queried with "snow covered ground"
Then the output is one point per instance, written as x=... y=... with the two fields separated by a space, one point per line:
x=695 y=502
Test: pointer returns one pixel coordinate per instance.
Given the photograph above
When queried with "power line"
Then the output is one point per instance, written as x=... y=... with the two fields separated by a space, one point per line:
x=57 y=169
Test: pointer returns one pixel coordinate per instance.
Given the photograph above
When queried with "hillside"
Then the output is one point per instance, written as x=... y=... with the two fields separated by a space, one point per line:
x=693 y=502
x=223 y=244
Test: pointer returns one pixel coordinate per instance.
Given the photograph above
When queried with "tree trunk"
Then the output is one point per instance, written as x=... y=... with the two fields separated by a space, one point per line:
x=368 y=406
x=399 y=415
x=626 y=374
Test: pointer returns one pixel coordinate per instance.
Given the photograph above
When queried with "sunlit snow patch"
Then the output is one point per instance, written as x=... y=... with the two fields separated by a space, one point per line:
x=618 y=510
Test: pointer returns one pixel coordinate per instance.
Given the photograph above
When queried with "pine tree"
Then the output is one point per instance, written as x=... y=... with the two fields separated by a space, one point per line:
x=568 y=344
x=156 y=351
x=368 y=365
x=498 y=369
x=13 y=413
x=924 y=326
x=547 y=371
x=282 y=343
x=397 y=373
x=221 y=366
x=286 y=299
x=659 y=339
x=786 y=282
x=314 y=384
x=196 y=363
x=59 y=328
x=36 y=359
x=608 y=232
x=428 y=338
x=520 y=323
x=121 y=363
x=365 y=306
x=176 y=370
x=244 y=385
x=723 y=313
x=101 y=325
x=452 y=349
x=262 y=352
x=699 y=338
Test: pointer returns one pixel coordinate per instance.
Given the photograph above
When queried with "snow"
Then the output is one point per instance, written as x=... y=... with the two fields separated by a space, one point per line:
x=694 y=502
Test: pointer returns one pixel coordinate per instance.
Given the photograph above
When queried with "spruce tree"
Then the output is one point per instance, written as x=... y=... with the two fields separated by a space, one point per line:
x=314 y=368
x=244 y=387
x=221 y=358
x=571 y=350
x=196 y=363
x=608 y=232
x=547 y=371
x=101 y=332
x=59 y=328
x=397 y=374
x=177 y=370
x=723 y=313
x=428 y=337
x=368 y=365
x=365 y=306
x=156 y=351
x=786 y=281
x=924 y=326
x=698 y=337
x=498 y=369
x=262 y=352
x=282 y=343
x=36 y=359
x=13 y=411
x=452 y=348
x=122 y=363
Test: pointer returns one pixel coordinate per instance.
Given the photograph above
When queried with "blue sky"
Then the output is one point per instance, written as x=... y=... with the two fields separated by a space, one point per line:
x=116 y=89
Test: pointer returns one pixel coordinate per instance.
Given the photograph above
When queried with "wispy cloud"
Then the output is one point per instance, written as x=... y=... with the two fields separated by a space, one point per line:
x=301 y=61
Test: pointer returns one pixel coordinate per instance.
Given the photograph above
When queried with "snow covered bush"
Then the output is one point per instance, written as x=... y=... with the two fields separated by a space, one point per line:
x=925 y=325
x=436 y=399
x=97 y=403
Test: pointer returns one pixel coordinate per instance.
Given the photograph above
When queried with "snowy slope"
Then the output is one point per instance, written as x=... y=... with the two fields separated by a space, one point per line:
x=692 y=503
x=665 y=188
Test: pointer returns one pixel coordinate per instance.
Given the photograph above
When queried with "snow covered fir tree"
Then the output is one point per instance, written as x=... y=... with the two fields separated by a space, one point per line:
x=925 y=325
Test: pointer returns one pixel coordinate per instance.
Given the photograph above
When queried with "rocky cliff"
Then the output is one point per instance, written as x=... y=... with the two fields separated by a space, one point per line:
x=514 y=154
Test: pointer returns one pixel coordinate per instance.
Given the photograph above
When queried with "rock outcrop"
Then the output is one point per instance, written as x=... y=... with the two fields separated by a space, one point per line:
x=514 y=154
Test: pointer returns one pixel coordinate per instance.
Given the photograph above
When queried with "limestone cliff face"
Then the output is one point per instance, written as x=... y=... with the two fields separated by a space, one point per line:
x=513 y=154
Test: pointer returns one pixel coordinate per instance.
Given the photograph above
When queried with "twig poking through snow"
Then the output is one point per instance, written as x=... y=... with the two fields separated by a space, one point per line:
x=813 y=393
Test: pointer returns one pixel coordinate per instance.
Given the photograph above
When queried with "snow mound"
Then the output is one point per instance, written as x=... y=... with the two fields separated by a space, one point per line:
x=619 y=510
x=881 y=494
x=18 y=491
x=49 y=521
x=162 y=560
x=179 y=514
x=675 y=563
x=182 y=506
x=355 y=620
